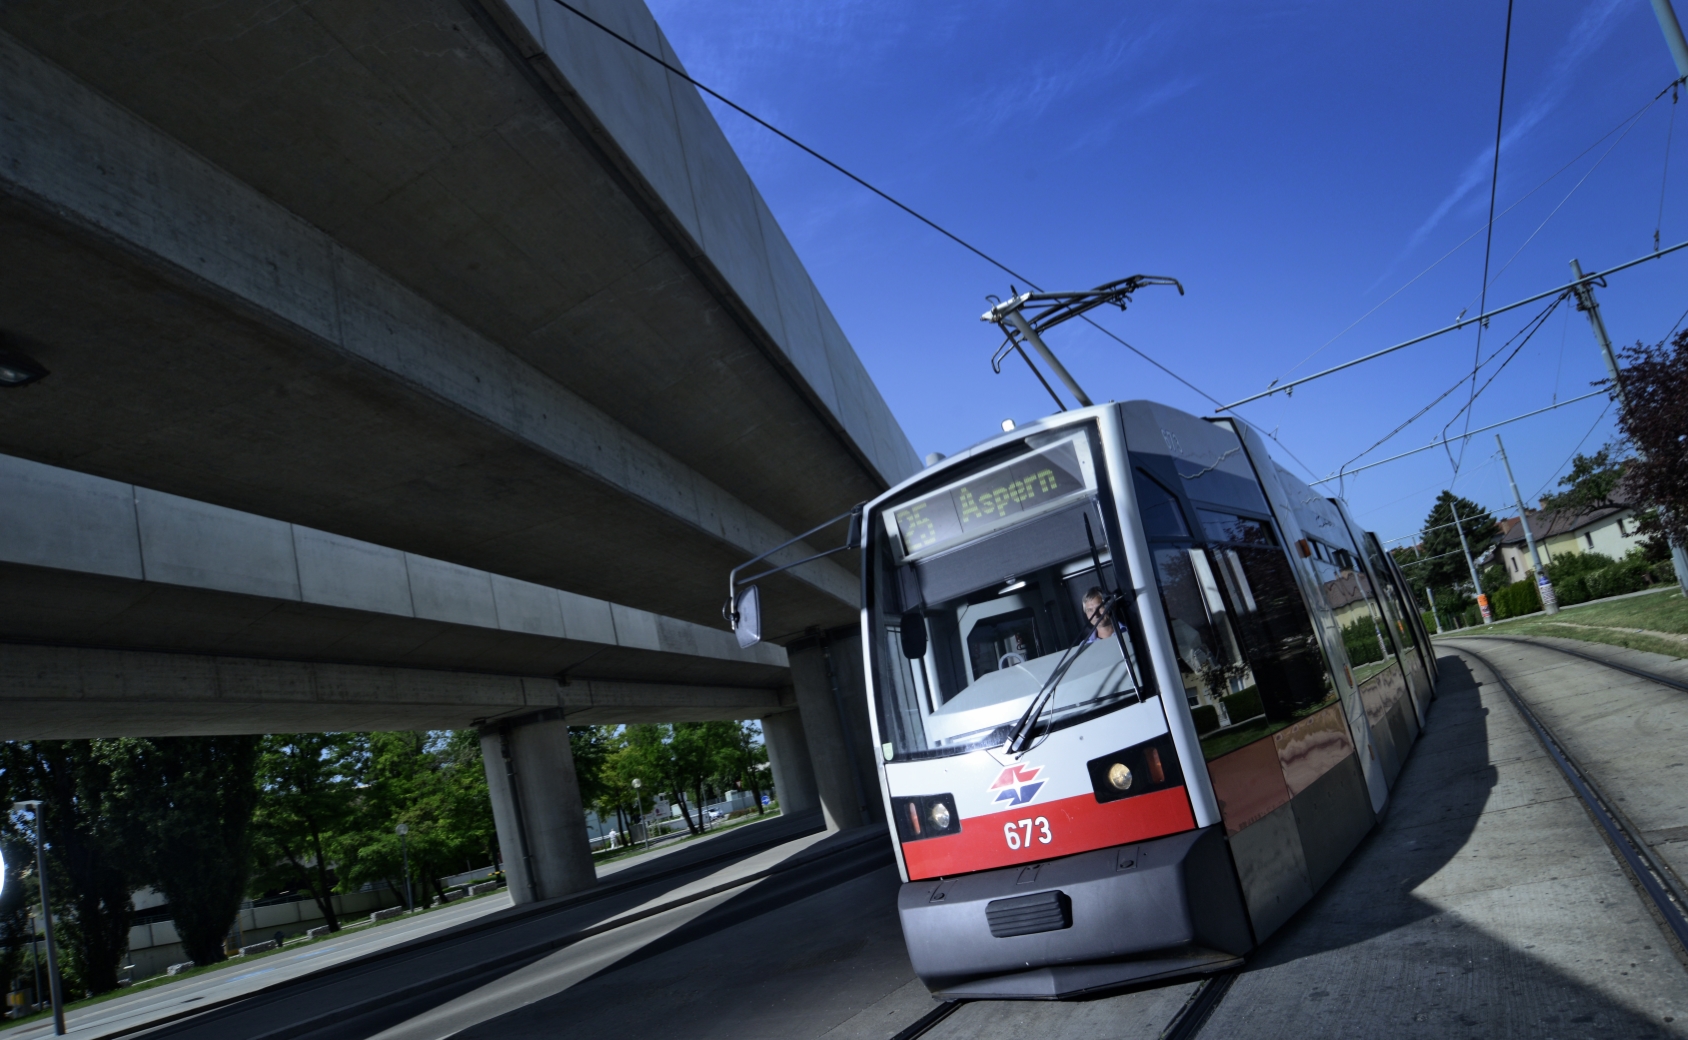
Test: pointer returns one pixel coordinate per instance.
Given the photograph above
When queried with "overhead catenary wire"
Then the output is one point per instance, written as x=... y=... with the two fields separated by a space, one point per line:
x=1533 y=328
x=1527 y=331
x=863 y=182
x=1625 y=125
x=1664 y=174
x=1455 y=327
x=1464 y=436
x=1489 y=241
x=1557 y=469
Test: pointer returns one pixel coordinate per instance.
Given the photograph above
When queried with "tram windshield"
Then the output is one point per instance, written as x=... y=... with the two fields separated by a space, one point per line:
x=987 y=597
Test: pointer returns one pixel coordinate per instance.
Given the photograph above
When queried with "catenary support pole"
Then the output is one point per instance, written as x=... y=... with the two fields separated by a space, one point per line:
x=1476 y=584
x=1586 y=303
x=1673 y=35
x=1549 y=601
x=1428 y=598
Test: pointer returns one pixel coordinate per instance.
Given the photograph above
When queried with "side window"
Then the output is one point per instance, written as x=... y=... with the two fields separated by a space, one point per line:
x=1273 y=626
x=1247 y=653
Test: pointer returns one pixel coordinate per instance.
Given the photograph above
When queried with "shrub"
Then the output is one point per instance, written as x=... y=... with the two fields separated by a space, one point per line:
x=1206 y=717
x=1663 y=572
x=1571 y=590
x=1244 y=704
x=1617 y=580
x=1517 y=599
x=1570 y=565
x=1360 y=640
x=1473 y=616
x=1429 y=620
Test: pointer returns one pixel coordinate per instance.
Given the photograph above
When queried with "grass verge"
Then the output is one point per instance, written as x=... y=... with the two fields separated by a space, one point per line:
x=1657 y=622
x=232 y=963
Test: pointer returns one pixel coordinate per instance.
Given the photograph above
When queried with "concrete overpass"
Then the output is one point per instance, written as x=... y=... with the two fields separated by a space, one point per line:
x=469 y=315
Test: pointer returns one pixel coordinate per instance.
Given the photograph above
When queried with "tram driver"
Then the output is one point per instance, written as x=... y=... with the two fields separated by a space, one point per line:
x=1101 y=619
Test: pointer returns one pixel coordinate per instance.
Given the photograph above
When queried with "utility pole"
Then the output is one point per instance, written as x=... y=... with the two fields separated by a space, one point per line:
x=53 y=984
x=1428 y=598
x=1476 y=584
x=1586 y=303
x=1549 y=601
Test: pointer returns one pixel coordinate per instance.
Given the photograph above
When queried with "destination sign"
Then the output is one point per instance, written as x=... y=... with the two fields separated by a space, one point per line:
x=990 y=499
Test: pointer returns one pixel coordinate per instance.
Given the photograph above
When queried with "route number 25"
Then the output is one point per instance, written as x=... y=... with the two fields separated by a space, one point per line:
x=1019 y=834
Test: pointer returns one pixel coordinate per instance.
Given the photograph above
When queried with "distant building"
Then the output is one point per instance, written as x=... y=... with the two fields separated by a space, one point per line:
x=1609 y=530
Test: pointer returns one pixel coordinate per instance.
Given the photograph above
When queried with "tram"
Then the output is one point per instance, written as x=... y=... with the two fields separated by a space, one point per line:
x=1137 y=692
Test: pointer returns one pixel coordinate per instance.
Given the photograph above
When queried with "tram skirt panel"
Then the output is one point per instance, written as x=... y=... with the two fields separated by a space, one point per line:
x=1108 y=917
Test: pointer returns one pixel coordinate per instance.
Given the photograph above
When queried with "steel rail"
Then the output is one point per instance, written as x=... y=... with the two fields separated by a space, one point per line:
x=1637 y=672
x=923 y=1025
x=1196 y=1011
x=1462 y=323
x=1654 y=878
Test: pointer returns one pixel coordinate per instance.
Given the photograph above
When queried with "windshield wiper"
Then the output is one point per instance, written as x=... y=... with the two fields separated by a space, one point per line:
x=1021 y=733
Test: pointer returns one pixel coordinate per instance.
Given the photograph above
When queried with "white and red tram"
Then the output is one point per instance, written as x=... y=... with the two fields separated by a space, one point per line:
x=1137 y=692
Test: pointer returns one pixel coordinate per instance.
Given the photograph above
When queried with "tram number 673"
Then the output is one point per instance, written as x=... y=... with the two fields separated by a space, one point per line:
x=1013 y=832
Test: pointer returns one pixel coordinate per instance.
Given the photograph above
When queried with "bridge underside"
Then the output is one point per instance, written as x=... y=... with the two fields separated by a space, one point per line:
x=55 y=692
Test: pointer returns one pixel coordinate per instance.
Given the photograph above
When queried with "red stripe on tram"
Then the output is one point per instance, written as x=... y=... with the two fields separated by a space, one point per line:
x=1076 y=824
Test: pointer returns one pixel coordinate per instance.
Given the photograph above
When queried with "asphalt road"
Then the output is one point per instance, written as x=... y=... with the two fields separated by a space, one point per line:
x=1486 y=904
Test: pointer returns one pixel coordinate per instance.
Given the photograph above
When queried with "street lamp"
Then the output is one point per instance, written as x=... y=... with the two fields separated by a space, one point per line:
x=641 y=800
x=404 y=845
x=34 y=806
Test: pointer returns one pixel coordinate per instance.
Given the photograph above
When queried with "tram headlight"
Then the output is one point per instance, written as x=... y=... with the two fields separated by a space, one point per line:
x=925 y=816
x=1137 y=770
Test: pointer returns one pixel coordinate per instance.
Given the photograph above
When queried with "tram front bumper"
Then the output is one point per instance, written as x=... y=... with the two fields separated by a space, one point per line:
x=1105 y=918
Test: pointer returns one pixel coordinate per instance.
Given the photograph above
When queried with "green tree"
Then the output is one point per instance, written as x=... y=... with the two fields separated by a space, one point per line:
x=434 y=784
x=742 y=757
x=307 y=782
x=697 y=750
x=90 y=865
x=1590 y=483
x=188 y=804
x=1655 y=424
x=666 y=762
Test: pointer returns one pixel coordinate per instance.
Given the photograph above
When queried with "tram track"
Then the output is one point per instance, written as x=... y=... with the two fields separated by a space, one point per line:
x=1603 y=662
x=812 y=861
x=1657 y=882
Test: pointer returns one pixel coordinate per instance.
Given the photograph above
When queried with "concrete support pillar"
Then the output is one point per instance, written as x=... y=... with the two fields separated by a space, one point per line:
x=536 y=806
x=788 y=760
x=826 y=672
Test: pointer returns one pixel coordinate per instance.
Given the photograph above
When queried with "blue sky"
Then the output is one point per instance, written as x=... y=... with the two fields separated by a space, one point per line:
x=1293 y=164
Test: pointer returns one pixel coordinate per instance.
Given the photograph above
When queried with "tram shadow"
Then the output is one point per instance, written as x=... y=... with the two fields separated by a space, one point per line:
x=1464 y=910
x=792 y=955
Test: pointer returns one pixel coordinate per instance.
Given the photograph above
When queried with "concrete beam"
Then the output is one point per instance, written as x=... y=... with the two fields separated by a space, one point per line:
x=90 y=561
x=130 y=246
x=57 y=693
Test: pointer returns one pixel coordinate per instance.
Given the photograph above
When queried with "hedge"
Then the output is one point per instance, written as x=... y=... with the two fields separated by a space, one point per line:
x=1243 y=705
x=1360 y=640
x=1516 y=599
x=1206 y=717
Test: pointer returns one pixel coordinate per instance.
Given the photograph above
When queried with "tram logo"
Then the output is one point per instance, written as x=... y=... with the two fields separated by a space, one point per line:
x=1018 y=785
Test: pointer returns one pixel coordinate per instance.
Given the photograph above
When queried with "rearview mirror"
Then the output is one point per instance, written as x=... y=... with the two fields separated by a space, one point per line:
x=914 y=635
x=747 y=616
